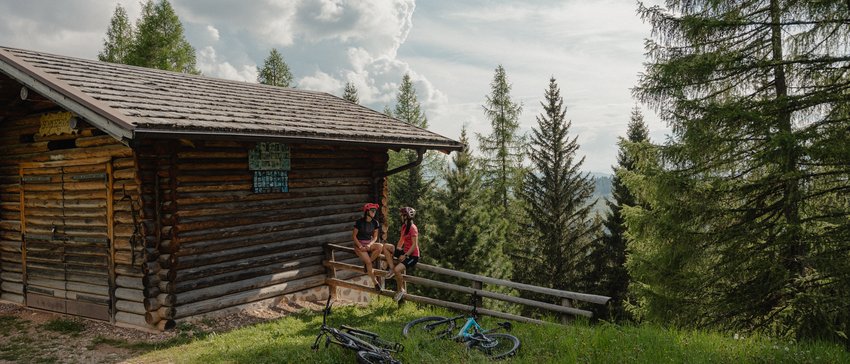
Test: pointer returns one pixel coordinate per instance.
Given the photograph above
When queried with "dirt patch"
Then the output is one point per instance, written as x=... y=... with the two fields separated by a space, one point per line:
x=28 y=336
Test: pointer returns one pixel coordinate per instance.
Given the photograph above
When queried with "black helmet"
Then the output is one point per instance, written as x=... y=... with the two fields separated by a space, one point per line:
x=408 y=212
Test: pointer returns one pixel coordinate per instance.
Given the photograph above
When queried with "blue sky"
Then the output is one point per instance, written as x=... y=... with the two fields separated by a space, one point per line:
x=593 y=48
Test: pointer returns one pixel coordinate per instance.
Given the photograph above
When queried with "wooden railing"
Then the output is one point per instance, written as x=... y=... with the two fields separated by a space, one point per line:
x=353 y=264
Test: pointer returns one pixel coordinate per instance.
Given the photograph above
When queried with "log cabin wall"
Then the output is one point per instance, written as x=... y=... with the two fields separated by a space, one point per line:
x=65 y=206
x=224 y=245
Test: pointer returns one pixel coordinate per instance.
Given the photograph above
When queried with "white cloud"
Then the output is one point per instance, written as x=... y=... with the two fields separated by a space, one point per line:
x=213 y=33
x=209 y=64
x=320 y=81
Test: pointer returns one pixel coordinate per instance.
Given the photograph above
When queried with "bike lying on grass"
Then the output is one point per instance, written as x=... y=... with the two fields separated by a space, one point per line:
x=493 y=345
x=370 y=348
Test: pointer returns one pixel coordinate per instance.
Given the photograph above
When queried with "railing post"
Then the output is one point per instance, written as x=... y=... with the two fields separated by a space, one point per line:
x=565 y=318
x=330 y=272
x=478 y=285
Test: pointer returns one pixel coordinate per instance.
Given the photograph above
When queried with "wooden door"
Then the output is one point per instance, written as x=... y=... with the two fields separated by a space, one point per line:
x=65 y=210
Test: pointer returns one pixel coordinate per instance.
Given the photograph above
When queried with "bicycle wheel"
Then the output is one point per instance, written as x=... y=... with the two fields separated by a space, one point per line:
x=371 y=357
x=429 y=327
x=496 y=346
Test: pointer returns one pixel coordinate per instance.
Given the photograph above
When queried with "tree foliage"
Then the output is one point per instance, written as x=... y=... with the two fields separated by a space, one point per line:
x=747 y=226
x=467 y=235
x=119 y=38
x=160 y=42
x=502 y=149
x=558 y=207
x=275 y=71
x=609 y=259
x=350 y=93
x=157 y=41
x=408 y=188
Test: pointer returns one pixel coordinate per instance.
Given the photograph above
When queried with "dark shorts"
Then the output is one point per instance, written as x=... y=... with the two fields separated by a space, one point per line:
x=409 y=262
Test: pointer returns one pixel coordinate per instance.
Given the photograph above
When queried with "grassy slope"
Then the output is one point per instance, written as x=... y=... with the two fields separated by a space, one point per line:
x=288 y=340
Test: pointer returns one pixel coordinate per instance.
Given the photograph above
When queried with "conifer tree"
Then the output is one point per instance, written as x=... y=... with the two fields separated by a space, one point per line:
x=407 y=188
x=502 y=148
x=350 y=93
x=467 y=235
x=747 y=227
x=275 y=71
x=119 y=38
x=558 y=206
x=160 y=42
x=609 y=259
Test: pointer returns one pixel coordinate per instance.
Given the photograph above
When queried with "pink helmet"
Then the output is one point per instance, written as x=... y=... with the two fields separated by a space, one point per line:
x=370 y=206
x=408 y=212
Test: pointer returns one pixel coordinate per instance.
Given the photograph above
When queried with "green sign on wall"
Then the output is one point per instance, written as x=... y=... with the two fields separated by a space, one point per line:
x=270 y=163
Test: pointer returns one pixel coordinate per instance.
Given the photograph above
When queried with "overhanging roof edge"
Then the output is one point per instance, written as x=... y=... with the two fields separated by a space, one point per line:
x=65 y=95
x=159 y=133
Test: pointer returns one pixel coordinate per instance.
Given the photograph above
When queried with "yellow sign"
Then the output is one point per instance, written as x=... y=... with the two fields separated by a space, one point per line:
x=57 y=123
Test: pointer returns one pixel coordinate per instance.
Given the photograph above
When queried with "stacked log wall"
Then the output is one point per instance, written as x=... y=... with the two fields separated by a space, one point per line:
x=230 y=246
x=141 y=298
x=19 y=143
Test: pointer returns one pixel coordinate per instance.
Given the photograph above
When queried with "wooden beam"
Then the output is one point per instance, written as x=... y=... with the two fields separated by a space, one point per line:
x=435 y=302
x=521 y=286
x=497 y=296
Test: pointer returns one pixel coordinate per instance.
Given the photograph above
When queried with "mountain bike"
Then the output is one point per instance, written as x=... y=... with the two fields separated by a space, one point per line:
x=491 y=344
x=370 y=348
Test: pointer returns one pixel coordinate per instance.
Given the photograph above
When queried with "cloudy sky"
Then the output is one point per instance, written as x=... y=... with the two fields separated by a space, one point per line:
x=594 y=48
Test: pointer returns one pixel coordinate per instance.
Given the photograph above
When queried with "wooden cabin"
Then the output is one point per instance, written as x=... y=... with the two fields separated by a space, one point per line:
x=141 y=197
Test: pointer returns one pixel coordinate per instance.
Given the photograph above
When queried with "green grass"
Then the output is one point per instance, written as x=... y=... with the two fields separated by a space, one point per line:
x=10 y=323
x=65 y=326
x=288 y=340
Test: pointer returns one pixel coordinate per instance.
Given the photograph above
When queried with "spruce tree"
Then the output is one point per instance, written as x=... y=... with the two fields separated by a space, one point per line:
x=609 y=259
x=558 y=205
x=275 y=71
x=407 y=188
x=119 y=38
x=350 y=93
x=160 y=42
x=466 y=235
x=747 y=227
x=502 y=148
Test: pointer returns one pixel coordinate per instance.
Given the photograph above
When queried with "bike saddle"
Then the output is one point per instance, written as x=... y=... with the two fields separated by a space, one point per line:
x=506 y=325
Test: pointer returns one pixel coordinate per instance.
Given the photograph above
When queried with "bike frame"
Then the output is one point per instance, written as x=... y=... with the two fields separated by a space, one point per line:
x=469 y=329
x=349 y=337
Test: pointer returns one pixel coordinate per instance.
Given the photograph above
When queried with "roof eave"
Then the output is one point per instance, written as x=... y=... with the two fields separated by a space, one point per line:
x=67 y=96
x=140 y=133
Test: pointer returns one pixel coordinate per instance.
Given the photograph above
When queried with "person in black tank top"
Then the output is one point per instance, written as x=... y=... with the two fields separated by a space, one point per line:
x=365 y=236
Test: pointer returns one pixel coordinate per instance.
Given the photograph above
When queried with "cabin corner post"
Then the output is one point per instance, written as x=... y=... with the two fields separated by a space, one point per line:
x=110 y=232
x=23 y=239
x=159 y=257
x=330 y=271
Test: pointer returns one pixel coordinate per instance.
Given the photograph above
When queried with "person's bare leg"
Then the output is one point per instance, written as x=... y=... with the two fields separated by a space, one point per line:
x=376 y=250
x=364 y=256
x=388 y=256
x=399 y=272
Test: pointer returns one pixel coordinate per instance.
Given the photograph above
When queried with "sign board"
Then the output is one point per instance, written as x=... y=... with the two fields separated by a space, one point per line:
x=57 y=123
x=270 y=164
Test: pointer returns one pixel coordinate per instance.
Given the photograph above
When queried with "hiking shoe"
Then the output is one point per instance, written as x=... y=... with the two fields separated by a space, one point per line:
x=399 y=295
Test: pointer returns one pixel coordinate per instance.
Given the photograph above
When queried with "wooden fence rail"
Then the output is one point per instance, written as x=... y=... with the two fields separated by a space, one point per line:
x=354 y=264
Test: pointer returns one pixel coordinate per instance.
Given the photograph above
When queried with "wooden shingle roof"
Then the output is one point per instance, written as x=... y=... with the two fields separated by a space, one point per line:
x=133 y=102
